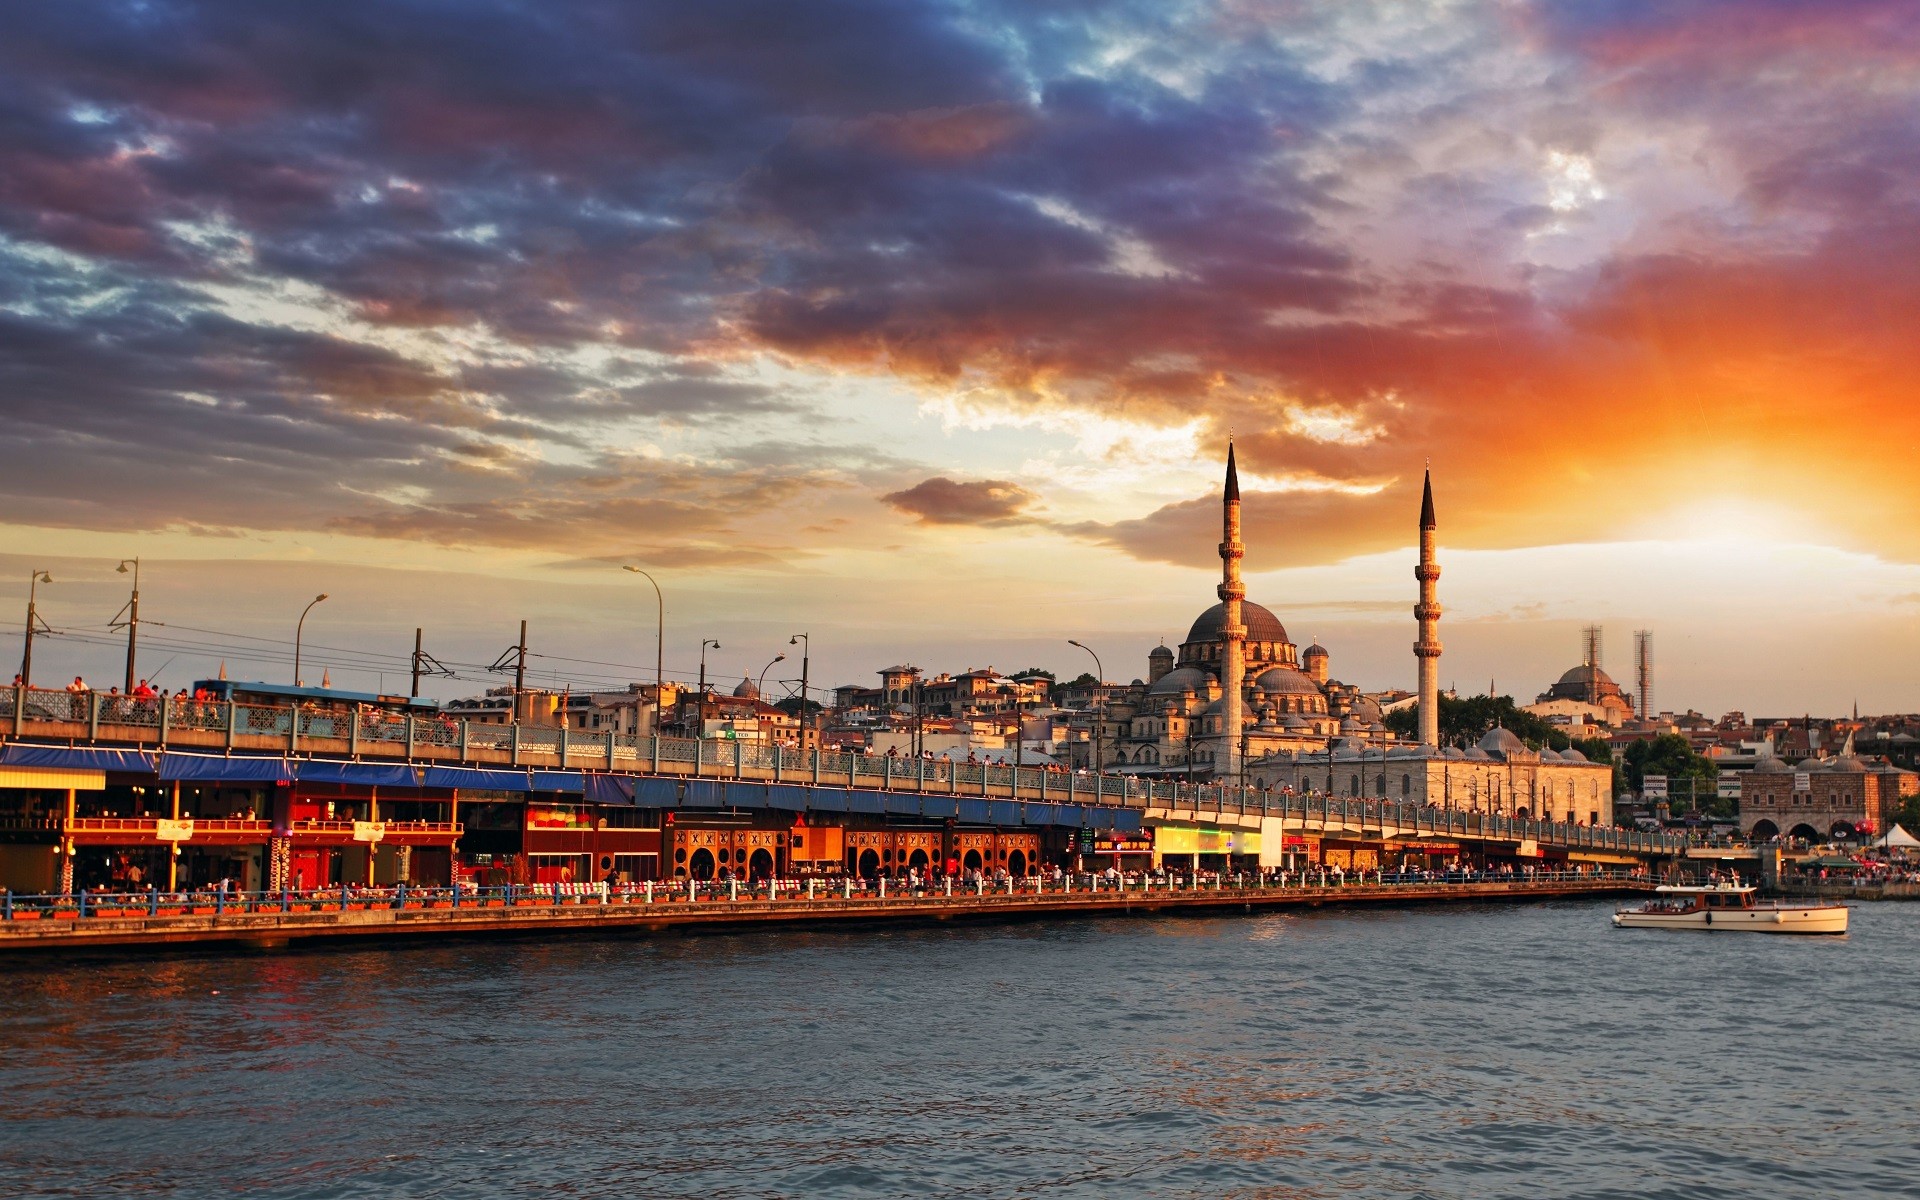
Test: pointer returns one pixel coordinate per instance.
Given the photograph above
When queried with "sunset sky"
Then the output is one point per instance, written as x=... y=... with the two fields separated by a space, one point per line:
x=922 y=328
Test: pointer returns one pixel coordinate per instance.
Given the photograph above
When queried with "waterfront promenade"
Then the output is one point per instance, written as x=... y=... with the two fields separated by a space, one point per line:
x=264 y=920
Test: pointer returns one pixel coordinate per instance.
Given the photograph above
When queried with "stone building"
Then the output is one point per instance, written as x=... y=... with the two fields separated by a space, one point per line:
x=1821 y=798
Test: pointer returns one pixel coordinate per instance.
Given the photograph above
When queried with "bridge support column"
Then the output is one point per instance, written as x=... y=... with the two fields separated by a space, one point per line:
x=403 y=864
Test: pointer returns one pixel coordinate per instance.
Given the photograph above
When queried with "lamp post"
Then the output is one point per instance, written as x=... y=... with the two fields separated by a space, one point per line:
x=761 y=687
x=1101 y=685
x=132 y=611
x=660 y=626
x=298 y=630
x=33 y=623
x=705 y=645
x=806 y=658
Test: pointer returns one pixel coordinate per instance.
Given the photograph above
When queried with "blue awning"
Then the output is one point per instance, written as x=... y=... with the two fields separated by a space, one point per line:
x=476 y=779
x=862 y=800
x=557 y=781
x=656 y=793
x=939 y=806
x=787 y=797
x=903 y=804
x=1040 y=814
x=320 y=770
x=1004 y=813
x=705 y=793
x=135 y=762
x=211 y=768
x=832 y=800
x=975 y=812
x=747 y=795
x=607 y=789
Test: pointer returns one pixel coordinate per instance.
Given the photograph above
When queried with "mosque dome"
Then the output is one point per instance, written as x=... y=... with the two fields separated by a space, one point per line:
x=1502 y=742
x=1315 y=650
x=1580 y=682
x=1182 y=679
x=1262 y=625
x=1286 y=681
x=1549 y=754
x=1476 y=754
x=746 y=690
x=1160 y=651
x=1771 y=766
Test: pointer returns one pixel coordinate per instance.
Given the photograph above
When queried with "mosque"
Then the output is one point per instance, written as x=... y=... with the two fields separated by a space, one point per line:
x=1239 y=701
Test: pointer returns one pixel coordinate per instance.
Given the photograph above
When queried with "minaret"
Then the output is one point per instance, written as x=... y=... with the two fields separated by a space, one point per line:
x=1427 y=649
x=1233 y=632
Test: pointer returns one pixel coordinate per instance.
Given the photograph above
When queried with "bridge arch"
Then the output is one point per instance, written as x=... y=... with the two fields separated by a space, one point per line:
x=760 y=866
x=1764 y=830
x=1804 y=832
x=972 y=861
x=869 y=864
x=1841 y=829
x=1017 y=864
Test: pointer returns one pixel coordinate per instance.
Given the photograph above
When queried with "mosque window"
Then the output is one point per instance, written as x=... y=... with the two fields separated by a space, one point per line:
x=1406 y=785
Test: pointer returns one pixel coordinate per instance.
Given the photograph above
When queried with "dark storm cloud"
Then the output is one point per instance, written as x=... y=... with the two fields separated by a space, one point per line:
x=943 y=501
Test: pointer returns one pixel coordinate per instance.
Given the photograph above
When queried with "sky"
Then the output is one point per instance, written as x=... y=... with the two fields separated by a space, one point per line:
x=922 y=328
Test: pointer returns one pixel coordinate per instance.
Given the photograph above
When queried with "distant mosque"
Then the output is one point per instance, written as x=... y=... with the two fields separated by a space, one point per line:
x=1239 y=701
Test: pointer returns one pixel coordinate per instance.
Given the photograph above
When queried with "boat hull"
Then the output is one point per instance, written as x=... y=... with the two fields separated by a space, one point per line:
x=1820 y=918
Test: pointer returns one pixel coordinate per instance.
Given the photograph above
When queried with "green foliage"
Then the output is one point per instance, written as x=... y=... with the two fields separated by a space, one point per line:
x=1042 y=671
x=1907 y=813
x=1084 y=679
x=1672 y=756
x=1465 y=721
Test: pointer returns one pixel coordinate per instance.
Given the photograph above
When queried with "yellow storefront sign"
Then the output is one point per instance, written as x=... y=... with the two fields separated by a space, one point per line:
x=1188 y=839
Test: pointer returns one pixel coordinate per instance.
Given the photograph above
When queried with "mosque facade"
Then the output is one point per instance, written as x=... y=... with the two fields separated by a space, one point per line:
x=1296 y=727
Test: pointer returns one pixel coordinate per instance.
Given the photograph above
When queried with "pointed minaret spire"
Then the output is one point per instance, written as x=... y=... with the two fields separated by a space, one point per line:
x=326 y=677
x=1427 y=650
x=1233 y=631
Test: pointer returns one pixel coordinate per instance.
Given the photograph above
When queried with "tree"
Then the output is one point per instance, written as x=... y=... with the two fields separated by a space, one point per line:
x=1084 y=679
x=1692 y=780
x=1465 y=721
x=1049 y=676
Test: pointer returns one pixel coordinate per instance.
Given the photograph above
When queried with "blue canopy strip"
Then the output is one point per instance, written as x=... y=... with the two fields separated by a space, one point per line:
x=210 y=768
x=607 y=789
x=137 y=762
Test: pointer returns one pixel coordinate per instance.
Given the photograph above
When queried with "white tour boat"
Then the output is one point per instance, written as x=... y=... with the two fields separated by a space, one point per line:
x=1729 y=907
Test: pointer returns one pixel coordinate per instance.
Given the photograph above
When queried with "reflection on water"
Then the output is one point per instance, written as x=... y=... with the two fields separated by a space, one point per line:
x=1487 y=1052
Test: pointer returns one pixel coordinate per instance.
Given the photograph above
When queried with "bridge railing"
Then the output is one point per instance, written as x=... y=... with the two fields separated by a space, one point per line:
x=151 y=721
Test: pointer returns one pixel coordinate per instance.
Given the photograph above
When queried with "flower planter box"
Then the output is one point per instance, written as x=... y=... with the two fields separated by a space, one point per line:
x=203 y=910
x=441 y=904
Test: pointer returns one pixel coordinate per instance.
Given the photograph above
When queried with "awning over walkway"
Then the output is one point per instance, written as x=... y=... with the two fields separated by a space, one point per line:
x=137 y=762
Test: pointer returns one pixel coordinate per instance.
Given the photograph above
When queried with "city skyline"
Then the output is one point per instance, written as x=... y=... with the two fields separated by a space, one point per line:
x=939 y=364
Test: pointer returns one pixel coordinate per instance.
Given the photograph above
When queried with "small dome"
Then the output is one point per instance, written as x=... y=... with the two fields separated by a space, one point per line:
x=1315 y=651
x=1294 y=721
x=1501 y=741
x=1549 y=754
x=1286 y=681
x=1476 y=754
x=746 y=690
x=1160 y=651
x=1572 y=754
x=1185 y=679
x=1771 y=766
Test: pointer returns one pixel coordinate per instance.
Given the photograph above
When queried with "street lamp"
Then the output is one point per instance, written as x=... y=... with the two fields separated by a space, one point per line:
x=33 y=623
x=761 y=687
x=660 y=626
x=705 y=644
x=299 y=629
x=132 y=611
x=1101 y=687
x=806 y=657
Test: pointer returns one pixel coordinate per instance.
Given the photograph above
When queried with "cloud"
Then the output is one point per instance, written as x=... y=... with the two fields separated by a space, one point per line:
x=351 y=267
x=943 y=501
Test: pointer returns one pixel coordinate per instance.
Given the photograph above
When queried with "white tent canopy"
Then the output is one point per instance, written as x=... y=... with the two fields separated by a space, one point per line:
x=1898 y=839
